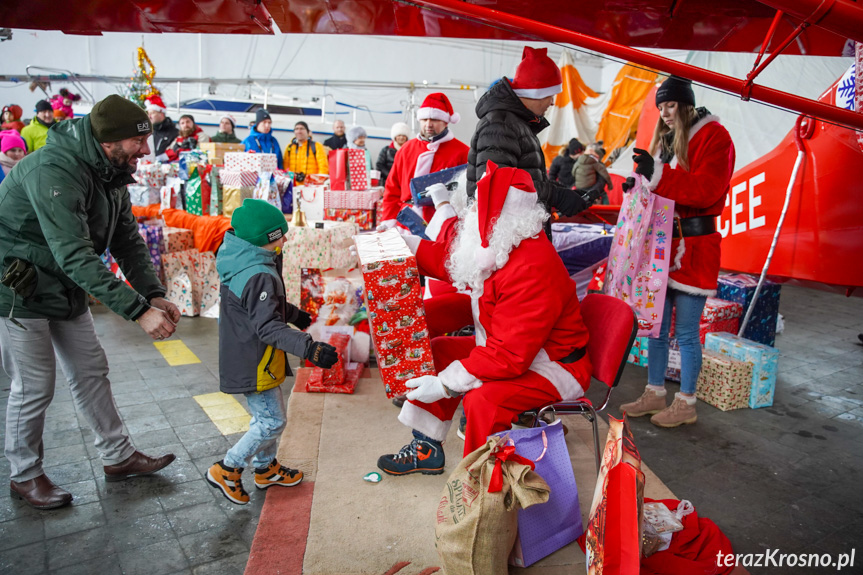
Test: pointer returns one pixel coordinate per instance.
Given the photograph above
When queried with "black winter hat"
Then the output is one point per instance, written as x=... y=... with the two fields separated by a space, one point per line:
x=675 y=89
x=43 y=106
x=261 y=115
x=115 y=118
x=574 y=147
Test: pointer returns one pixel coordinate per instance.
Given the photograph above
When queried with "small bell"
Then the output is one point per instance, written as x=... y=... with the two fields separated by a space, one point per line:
x=299 y=219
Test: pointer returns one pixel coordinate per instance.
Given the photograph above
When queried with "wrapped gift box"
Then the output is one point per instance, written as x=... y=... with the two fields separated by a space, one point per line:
x=740 y=288
x=192 y=282
x=351 y=200
x=313 y=247
x=143 y=195
x=716 y=309
x=764 y=360
x=336 y=374
x=208 y=285
x=171 y=170
x=724 y=382
x=420 y=183
x=150 y=175
x=365 y=219
x=249 y=162
x=216 y=151
x=177 y=240
x=238 y=178
x=638 y=353
x=396 y=314
x=232 y=198
x=314 y=383
x=152 y=235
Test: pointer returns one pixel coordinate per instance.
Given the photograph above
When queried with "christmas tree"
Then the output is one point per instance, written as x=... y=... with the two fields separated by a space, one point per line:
x=140 y=86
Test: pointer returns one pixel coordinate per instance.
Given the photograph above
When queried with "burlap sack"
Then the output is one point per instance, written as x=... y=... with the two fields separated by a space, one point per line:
x=476 y=529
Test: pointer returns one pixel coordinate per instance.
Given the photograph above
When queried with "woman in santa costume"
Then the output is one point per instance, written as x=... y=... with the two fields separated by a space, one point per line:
x=691 y=160
x=530 y=344
x=433 y=150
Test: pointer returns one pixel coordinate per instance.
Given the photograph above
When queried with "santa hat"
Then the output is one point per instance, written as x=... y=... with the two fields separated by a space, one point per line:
x=500 y=191
x=155 y=104
x=437 y=107
x=537 y=76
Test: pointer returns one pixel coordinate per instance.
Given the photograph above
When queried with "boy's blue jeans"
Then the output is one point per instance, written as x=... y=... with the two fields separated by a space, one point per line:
x=688 y=318
x=262 y=439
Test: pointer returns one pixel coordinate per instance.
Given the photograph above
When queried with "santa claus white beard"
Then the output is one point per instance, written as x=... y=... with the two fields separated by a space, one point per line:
x=508 y=232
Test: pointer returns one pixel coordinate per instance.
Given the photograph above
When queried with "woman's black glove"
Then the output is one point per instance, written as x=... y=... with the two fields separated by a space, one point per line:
x=303 y=321
x=569 y=202
x=644 y=162
x=628 y=184
x=322 y=354
x=590 y=195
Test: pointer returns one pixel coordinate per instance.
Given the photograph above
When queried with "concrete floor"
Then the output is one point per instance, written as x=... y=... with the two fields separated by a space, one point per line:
x=785 y=477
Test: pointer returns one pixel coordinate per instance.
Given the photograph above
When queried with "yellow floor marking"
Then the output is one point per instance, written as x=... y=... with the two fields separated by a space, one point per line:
x=176 y=353
x=228 y=415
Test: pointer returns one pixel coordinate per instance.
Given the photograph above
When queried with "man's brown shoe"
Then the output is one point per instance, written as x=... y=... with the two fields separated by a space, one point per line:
x=137 y=464
x=40 y=493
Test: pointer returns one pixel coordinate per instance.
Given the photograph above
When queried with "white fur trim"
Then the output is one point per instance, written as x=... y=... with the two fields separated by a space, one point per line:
x=457 y=378
x=701 y=123
x=658 y=166
x=567 y=386
x=485 y=258
x=418 y=418
x=538 y=93
x=155 y=108
x=678 y=255
x=479 y=330
x=413 y=243
x=690 y=289
x=435 y=114
x=454 y=118
x=517 y=201
x=441 y=215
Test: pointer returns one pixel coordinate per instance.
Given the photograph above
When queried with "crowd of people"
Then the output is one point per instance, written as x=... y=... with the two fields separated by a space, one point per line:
x=489 y=265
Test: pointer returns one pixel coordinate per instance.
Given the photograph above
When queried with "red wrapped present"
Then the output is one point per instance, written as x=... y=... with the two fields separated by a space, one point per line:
x=365 y=219
x=718 y=309
x=358 y=175
x=238 y=178
x=338 y=164
x=396 y=313
x=336 y=374
x=315 y=383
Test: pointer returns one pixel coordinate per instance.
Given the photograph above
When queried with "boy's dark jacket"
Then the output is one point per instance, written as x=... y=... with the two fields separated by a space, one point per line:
x=253 y=334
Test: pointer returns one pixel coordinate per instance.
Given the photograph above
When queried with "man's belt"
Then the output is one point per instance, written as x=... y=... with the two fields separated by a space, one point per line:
x=690 y=227
x=576 y=354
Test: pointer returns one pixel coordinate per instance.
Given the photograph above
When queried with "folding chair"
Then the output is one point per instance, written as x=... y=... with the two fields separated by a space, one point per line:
x=612 y=327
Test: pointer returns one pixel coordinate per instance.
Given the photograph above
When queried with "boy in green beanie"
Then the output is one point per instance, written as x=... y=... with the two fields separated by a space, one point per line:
x=253 y=339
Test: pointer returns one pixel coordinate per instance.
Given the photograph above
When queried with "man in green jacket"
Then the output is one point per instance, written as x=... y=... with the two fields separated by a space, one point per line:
x=60 y=208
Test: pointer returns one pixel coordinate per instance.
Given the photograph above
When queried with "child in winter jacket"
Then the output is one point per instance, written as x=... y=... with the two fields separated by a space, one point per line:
x=253 y=339
x=589 y=171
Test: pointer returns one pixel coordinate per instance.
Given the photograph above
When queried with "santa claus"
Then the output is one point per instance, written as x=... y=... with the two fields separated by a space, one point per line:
x=530 y=343
x=434 y=149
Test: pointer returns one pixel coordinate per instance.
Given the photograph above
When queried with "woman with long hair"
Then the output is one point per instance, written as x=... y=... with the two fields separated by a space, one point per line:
x=690 y=161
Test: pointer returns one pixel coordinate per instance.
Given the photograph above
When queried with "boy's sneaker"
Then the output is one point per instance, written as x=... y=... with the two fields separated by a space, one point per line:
x=229 y=480
x=422 y=455
x=462 y=425
x=275 y=474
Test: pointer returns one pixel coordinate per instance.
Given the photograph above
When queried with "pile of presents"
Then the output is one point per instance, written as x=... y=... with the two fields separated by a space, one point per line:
x=736 y=372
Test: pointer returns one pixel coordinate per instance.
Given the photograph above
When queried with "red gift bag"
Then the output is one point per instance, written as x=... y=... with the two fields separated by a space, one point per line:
x=613 y=537
x=338 y=160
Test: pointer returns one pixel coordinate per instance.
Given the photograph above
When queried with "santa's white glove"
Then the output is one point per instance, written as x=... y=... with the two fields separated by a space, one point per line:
x=353 y=250
x=413 y=243
x=426 y=389
x=163 y=158
x=439 y=194
x=385 y=225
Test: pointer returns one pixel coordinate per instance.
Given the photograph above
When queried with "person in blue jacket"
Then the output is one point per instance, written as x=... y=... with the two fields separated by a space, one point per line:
x=261 y=139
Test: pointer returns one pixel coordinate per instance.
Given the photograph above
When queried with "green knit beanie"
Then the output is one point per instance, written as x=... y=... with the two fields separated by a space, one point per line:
x=115 y=118
x=258 y=222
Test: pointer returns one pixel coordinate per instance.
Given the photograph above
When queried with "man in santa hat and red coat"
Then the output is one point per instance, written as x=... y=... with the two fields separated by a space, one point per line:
x=164 y=129
x=434 y=149
x=531 y=343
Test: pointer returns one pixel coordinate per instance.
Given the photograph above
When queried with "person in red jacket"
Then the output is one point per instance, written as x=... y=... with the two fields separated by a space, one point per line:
x=434 y=149
x=11 y=117
x=691 y=160
x=530 y=344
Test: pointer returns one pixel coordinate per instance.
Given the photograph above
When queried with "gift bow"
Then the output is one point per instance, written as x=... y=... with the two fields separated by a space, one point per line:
x=504 y=454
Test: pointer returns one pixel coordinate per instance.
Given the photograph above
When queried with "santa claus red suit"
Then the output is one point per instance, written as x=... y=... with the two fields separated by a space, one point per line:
x=420 y=157
x=702 y=190
x=530 y=344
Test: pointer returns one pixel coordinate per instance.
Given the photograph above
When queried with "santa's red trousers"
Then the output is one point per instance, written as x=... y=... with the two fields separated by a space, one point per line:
x=490 y=408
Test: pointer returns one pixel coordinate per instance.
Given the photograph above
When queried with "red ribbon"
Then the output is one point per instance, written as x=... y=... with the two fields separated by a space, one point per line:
x=504 y=454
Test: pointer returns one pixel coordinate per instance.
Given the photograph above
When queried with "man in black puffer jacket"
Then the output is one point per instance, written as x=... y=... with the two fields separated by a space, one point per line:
x=510 y=117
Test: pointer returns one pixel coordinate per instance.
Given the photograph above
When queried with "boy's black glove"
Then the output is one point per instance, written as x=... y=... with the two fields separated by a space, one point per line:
x=322 y=354
x=303 y=321
x=644 y=162
x=628 y=184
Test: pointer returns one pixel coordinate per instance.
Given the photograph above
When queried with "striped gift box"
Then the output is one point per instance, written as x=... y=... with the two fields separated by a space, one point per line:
x=352 y=200
x=238 y=179
x=243 y=161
